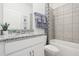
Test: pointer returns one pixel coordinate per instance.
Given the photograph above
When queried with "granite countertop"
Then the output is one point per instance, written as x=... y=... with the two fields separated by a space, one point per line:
x=15 y=36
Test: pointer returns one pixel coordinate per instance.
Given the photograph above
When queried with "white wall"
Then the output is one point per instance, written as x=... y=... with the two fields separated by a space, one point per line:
x=40 y=8
x=1 y=14
x=14 y=12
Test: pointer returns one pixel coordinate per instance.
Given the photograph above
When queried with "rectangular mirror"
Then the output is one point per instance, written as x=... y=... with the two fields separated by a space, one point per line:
x=21 y=16
x=18 y=15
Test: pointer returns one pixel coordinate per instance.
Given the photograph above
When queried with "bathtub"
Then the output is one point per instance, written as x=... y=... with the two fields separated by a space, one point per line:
x=66 y=48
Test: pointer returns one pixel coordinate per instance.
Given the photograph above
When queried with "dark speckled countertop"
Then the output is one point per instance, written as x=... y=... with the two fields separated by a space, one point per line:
x=16 y=36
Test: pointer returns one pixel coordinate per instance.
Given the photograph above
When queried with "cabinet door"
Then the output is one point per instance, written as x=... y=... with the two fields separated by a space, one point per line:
x=2 y=49
x=38 y=50
x=29 y=51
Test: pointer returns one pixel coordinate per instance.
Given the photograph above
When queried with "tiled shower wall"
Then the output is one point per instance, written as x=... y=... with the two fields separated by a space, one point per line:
x=51 y=25
x=67 y=22
x=50 y=18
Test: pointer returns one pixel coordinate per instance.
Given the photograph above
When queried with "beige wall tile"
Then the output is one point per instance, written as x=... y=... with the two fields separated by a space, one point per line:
x=76 y=10
x=68 y=11
x=75 y=28
x=67 y=8
x=68 y=36
x=68 y=28
x=76 y=37
x=76 y=19
x=59 y=35
x=75 y=5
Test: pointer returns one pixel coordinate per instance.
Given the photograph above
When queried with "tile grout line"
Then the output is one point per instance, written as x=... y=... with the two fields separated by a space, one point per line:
x=72 y=22
x=63 y=23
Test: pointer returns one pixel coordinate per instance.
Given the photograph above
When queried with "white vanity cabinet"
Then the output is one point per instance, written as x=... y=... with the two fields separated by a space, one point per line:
x=37 y=50
x=27 y=47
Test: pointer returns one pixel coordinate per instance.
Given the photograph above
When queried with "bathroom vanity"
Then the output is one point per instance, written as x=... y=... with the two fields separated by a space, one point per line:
x=18 y=41
x=22 y=45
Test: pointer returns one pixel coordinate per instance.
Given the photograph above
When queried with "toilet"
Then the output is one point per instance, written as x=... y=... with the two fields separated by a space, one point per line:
x=51 y=50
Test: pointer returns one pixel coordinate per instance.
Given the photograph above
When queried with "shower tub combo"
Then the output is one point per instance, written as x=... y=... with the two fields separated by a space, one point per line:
x=61 y=48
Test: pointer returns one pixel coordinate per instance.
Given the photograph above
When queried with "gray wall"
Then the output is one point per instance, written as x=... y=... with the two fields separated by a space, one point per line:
x=67 y=22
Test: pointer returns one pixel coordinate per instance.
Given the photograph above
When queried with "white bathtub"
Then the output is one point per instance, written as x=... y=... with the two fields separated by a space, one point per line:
x=66 y=48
